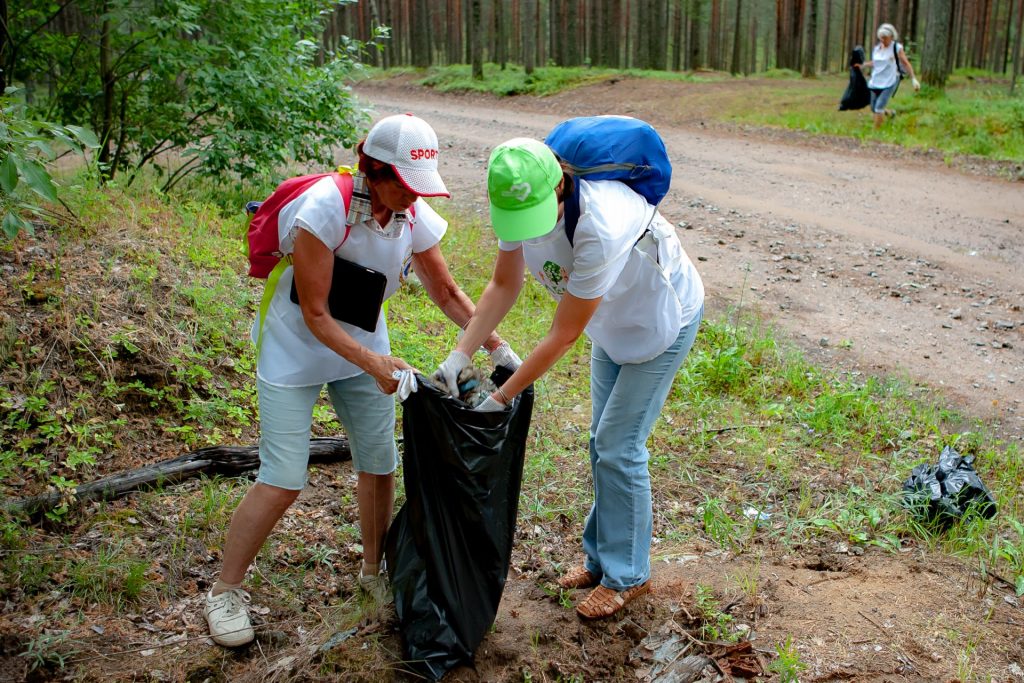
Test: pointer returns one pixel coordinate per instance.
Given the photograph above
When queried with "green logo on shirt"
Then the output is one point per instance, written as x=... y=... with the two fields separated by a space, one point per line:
x=554 y=277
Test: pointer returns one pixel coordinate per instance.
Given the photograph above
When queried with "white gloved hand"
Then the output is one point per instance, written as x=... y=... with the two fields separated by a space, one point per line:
x=489 y=406
x=448 y=372
x=407 y=383
x=916 y=83
x=504 y=355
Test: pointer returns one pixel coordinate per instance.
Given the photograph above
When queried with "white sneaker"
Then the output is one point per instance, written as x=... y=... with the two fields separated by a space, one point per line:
x=228 y=617
x=376 y=586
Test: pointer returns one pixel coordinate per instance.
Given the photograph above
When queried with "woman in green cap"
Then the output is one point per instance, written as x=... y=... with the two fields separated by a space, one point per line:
x=625 y=280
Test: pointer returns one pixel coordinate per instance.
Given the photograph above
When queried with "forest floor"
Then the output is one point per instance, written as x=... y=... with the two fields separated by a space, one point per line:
x=876 y=261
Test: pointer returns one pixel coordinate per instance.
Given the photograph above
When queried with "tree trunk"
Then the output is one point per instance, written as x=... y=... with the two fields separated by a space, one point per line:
x=1003 y=52
x=737 y=39
x=696 y=60
x=613 y=12
x=570 y=38
x=826 y=42
x=677 y=34
x=420 y=39
x=956 y=34
x=476 y=41
x=934 y=63
x=810 y=57
x=541 y=28
x=714 y=38
x=500 y=39
x=226 y=461
x=789 y=31
x=752 y=57
x=529 y=35
x=452 y=23
x=1017 y=56
x=660 y=56
x=865 y=31
x=723 y=34
x=107 y=81
x=980 y=36
x=552 y=23
x=466 y=10
x=4 y=46
x=438 y=33
x=626 y=35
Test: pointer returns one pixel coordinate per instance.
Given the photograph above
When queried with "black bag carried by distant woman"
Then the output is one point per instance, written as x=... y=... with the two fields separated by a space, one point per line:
x=857 y=95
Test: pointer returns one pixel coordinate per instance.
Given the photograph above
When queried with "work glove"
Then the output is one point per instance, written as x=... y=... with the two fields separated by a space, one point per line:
x=489 y=406
x=916 y=83
x=504 y=355
x=448 y=372
x=406 y=383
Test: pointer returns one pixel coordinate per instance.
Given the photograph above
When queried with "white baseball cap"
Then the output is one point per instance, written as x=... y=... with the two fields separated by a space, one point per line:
x=409 y=145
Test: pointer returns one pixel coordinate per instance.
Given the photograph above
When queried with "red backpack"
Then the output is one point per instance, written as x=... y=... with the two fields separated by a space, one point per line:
x=262 y=244
x=264 y=249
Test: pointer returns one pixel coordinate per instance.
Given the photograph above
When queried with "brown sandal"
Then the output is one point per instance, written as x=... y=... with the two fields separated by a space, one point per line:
x=604 y=602
x=578 y=577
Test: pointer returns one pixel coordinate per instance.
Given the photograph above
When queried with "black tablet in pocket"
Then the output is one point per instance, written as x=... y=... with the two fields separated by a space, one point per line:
x=356 y=295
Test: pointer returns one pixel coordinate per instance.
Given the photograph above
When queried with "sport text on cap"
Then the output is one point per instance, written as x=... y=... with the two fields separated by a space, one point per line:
x=408 y=144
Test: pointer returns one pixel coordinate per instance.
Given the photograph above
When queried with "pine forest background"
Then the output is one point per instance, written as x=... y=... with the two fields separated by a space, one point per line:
x=240 y=89
x=739 y=36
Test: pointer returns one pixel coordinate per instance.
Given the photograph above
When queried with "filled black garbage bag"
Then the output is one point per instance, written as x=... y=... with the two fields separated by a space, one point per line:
x=857 y=95
x=945 y=492
x=449 y=548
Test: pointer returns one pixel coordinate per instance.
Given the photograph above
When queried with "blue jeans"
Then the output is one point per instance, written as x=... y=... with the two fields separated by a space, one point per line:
x=880 y=97
x=627 y=400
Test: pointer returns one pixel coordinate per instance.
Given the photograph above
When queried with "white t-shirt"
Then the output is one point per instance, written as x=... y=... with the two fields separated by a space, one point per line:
x=649 y=292
x=290 y=355
x=883 y=67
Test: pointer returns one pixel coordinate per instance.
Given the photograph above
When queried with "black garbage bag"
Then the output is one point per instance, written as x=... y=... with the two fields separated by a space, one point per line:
x=945 y=492
x=857 y=95
x=449 y=548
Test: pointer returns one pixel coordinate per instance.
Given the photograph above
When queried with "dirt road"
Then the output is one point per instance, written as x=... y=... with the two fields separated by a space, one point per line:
x=873 y=259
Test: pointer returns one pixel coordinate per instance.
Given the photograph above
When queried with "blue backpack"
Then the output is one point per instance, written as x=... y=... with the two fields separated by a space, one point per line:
x=611 y=148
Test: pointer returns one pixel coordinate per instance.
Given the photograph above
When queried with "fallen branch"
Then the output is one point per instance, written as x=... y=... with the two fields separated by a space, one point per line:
x=226 y=461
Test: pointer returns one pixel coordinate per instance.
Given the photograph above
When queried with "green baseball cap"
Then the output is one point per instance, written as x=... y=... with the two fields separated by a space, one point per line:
x=522 y=175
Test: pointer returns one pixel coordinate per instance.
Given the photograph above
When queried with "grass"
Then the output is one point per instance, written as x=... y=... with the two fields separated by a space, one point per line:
x=750 y=424
x=974 y=115
x=787 y=663
x=545 y=80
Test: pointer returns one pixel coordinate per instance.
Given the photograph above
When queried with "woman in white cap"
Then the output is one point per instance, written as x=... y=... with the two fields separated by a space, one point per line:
x=625 y=280
x=387 y=228
x=888 y=63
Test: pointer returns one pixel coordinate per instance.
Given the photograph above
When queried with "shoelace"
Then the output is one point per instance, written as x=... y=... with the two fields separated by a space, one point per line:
x=236 y=600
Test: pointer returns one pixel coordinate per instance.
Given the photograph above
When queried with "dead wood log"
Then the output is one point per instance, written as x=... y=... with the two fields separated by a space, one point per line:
x=226 y=461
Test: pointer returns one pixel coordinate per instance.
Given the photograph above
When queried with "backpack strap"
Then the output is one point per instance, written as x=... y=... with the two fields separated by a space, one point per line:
x=571 y=210
x=343 y=179
x=268 y=294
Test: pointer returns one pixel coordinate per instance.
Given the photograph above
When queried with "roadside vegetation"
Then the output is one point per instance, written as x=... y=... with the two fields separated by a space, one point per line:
x=513 y=79
x=974 y=115
x=124 y=340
